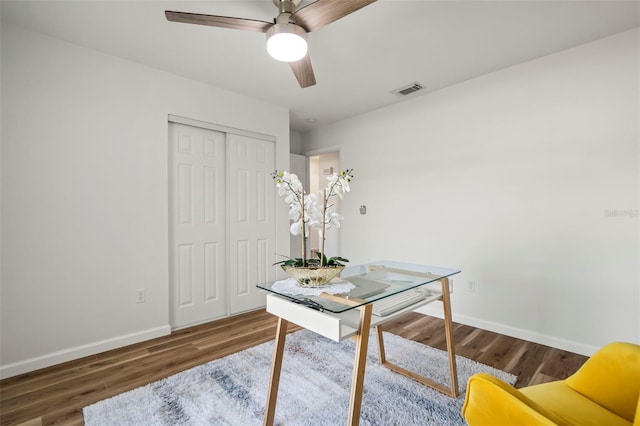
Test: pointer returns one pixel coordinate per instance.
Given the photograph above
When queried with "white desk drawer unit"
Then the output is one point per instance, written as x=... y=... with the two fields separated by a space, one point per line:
x=331 y=325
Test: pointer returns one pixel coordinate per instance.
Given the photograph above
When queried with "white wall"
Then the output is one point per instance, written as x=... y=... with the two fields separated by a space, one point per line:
x=295 y=142
x=84 y=194
x=514 y=177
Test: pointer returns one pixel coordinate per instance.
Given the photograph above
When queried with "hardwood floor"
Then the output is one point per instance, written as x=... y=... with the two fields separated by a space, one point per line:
x=531 y=362
x=56 y=395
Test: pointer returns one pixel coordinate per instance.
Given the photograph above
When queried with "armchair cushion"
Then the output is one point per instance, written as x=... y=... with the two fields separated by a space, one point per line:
x=604 y=391
x=611 y=378
x=490 y=401
x=571 y=406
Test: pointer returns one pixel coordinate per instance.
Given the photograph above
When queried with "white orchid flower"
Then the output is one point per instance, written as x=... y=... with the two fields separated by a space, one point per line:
x=283 y=189
x=292 y=198
x=294 y=211
x=295 y=183
x=339 y=184
x=333 y=220
x=333 y=178
x=308 y=211
x=344 y=185
x=310 y=200
x=296 y=228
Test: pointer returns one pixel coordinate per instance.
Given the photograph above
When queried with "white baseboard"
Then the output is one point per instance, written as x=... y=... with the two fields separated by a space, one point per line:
x=77 y=352
x=520 y=333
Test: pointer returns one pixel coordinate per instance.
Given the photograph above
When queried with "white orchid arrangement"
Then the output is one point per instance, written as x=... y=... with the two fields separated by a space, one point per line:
x=310 y=213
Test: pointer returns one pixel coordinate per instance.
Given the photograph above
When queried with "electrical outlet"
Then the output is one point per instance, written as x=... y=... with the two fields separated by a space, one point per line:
x=471 y=286
x=141 y=295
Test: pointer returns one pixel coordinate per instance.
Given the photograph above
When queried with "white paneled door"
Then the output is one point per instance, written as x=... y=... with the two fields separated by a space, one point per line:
x=251 y=220
x=198 y=224
x=222 y=229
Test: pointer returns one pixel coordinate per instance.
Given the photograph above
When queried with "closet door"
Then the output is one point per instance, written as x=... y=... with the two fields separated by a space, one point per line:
x=251 y=220
x=197 y=234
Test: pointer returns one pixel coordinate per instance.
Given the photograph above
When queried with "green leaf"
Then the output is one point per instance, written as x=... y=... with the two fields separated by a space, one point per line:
x=290 y=262
x=336 y=261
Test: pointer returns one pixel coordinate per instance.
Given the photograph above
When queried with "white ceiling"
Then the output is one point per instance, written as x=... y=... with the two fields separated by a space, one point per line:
x=358 y=60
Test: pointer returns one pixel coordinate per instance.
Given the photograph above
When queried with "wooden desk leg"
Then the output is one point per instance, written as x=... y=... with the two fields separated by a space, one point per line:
x=407 y=373
x=448 y=328
x=276 y=367
x=360 y=362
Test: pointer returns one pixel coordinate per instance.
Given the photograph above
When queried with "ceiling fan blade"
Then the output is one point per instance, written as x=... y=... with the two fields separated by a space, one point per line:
x=304 y=72
x=322 y=12
x=218 y=21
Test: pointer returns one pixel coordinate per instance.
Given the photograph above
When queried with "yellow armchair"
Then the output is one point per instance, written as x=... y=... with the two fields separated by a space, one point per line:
x=605 y=391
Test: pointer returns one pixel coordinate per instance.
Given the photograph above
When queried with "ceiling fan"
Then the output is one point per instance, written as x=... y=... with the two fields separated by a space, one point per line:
x=287 y=34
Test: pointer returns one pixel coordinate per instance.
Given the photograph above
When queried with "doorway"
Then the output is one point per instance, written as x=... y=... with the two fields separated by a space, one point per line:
x=320 y=166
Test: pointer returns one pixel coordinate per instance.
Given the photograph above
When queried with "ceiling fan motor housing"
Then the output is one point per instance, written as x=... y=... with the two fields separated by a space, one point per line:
x=287 y=6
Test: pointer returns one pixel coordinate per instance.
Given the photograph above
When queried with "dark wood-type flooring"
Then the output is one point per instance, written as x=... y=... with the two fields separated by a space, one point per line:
x=57 y=394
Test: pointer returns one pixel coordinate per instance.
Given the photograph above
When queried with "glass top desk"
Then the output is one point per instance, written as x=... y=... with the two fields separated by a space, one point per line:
x=340 y=316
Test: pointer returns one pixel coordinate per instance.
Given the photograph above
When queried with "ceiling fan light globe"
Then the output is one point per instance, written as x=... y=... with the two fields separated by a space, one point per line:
x=287 y=42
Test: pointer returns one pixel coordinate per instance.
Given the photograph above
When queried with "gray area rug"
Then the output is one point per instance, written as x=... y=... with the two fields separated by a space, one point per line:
x=314 y=388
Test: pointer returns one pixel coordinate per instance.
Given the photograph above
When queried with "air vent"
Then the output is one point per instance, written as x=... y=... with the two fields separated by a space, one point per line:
x=407 y=90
